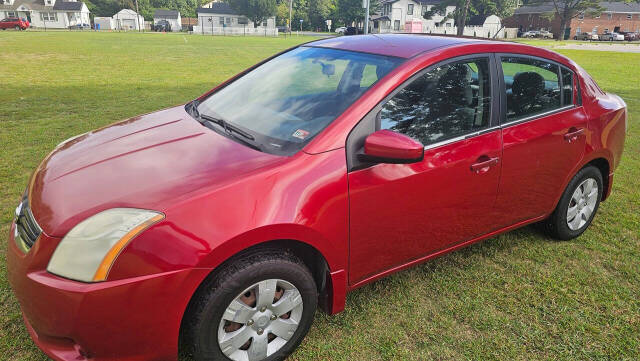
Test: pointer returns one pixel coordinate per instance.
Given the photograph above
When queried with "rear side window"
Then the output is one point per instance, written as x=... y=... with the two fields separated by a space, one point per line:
x=446 y=102
x=532 y=85
x=567 y=86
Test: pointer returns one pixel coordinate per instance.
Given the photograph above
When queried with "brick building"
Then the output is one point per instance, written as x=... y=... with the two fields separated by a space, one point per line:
x=616 y=16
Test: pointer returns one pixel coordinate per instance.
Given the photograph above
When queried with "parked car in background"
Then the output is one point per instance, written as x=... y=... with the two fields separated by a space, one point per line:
x=283 y=29
x=162 y=25
x=80 y=27
x=225 y=222
x=586 y=36
x=546 y=34
x=612 y=37
x=14 y=23
x=352 y=30
x=341 y=30
x=531 y=34
x=630 y=36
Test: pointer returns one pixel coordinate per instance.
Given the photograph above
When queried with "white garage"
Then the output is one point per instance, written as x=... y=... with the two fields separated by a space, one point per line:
x=127 y=19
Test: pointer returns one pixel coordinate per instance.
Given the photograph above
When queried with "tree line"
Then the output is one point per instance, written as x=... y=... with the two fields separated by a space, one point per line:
x=312 y=14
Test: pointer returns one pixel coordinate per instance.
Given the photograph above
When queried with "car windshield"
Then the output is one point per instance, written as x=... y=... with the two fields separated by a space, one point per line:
x=285 y=102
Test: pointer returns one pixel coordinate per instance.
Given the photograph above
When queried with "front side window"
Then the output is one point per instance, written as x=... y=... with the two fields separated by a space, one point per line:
x=532 y=86
x=288 y=100
x=446 y=102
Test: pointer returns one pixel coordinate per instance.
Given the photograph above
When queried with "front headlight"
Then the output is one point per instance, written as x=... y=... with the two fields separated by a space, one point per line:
x=87 y=252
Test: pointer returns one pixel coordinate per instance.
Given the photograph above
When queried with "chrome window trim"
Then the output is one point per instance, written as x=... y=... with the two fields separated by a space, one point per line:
x=461 y=137
x=536 y=116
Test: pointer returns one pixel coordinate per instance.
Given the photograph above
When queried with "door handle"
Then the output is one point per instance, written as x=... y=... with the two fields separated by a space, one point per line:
x=573 y=134
x=483 y=164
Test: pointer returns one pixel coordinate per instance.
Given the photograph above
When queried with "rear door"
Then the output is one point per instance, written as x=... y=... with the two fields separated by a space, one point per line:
x=403 y=212
x=544 y=132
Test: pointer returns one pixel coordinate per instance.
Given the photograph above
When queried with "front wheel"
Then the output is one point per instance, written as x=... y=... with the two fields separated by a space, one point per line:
x=578 y=205
x=257 y=308
x=17 y=28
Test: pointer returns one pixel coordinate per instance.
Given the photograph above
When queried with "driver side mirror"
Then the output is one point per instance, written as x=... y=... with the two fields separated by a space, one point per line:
x=386 y=146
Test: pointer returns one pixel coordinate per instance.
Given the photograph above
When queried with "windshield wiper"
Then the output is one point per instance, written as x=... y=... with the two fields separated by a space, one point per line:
x=229 y=129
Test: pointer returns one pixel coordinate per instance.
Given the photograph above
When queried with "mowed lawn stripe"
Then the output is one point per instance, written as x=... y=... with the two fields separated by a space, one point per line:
x=517 y=296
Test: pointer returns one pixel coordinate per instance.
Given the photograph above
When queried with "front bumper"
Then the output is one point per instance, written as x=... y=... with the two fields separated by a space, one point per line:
x=130 y=319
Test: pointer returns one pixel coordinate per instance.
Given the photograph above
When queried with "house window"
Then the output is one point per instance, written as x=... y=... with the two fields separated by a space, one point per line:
x=578 y=31
x=581 y=16
x=221 y=20
x=264 y=23
x=396 y=25
x=609 y=16
x=629 y=16
x=227 y=20
x=410 y=9
x=12 y=14
x=49 y=16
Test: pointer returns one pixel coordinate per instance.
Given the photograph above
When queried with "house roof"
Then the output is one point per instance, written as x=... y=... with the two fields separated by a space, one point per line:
x=126 y=12
x=166 y=14
x=613 y=7
x=68 y=5
x=477 y=20
x=40 y=6
x=218 y=8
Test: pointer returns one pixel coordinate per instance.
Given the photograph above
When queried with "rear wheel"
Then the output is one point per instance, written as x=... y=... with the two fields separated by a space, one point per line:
x=257 y=308
x=578 y=205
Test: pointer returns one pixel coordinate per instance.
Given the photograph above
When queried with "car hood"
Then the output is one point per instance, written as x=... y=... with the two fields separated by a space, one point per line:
x=143 y=162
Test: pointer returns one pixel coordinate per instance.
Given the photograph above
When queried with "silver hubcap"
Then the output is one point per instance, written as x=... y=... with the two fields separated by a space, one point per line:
x=260 y=320
x=582 y=204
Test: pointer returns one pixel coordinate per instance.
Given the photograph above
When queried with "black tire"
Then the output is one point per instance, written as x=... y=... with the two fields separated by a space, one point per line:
x=200 y=331
x=556 y=225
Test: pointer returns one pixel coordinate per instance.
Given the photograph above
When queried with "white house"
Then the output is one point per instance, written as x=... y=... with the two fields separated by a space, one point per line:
x=171 y=16
x=127 y=19
x=56 y=14
x=403 y=15
x=220 y=18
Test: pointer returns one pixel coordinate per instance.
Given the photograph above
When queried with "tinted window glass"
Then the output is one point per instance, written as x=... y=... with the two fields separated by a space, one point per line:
x=567 y=86
x=286 y=101
x=532 y=86
x=446 y=102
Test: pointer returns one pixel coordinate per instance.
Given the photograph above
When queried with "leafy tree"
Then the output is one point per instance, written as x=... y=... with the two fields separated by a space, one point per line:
x=319 y=11
x=282 y=13
x=350 y=11
x=565 y=10
x=255 y=10
x=460 y=14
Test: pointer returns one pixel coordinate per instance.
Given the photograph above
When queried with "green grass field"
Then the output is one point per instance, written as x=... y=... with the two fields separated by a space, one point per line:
x=519 y=296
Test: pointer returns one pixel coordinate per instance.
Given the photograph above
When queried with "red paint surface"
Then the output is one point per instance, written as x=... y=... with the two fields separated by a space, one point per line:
x=220 y=197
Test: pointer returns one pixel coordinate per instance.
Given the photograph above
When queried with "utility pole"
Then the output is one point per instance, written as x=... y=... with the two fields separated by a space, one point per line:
x=290 y=10
x=137 y=16
x=366 y=16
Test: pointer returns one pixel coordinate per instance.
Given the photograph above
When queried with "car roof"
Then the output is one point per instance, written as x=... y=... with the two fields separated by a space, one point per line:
x=399 y=45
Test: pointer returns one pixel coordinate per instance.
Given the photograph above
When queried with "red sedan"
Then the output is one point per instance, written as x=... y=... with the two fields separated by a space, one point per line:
x=14 y=23
x=226 y=222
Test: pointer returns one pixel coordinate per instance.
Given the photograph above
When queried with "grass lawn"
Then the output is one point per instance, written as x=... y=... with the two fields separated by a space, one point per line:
x=519 y=296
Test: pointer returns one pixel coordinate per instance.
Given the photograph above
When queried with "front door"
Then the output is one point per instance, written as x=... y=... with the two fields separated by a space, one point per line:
x=402 y=212
x=544 y=135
